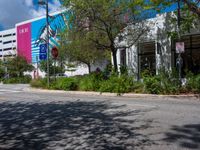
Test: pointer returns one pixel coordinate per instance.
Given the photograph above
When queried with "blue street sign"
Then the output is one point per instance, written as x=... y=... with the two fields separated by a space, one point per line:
x=43 y=48
x=43 y=56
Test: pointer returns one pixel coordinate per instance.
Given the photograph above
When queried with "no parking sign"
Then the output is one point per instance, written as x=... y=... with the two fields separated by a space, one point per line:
x=180 y=47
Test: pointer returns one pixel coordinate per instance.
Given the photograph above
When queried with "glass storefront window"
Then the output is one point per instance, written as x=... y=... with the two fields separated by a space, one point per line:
x=147 y=58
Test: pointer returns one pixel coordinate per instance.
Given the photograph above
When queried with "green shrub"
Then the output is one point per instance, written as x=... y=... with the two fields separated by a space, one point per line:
x=64 y=84
x=193 y=83
x=16 y=80
x=91 y=82
x=166 y=82
x=117 y=84
x=152 y=85
x=138 y=87
x=39 y=83
x=169 y=81
x=27 y=79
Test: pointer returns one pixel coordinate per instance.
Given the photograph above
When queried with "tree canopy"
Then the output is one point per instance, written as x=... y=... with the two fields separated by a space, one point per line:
x=193 y=5
x=100 y=22
x=17 y=66
x=80 y=49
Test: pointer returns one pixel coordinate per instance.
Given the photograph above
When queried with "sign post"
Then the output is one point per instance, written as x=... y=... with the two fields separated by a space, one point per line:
x=54 y=53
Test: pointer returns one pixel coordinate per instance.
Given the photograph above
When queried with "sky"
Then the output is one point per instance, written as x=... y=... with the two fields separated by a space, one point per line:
x=15 y=11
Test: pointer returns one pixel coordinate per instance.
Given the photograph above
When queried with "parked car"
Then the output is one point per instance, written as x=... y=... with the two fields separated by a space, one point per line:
x=60 y=75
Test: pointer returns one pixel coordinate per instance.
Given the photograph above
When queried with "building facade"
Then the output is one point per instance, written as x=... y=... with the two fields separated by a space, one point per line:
x=7 y=43
x=153 y=51
x=156 y=50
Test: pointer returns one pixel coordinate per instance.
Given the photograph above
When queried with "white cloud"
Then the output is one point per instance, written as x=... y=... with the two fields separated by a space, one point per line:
x=55 y=6
x=29 y=3
x=15 y=11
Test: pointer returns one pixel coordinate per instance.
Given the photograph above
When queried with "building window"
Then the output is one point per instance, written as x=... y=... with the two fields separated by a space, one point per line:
x=7 y=35
x=147 y=57
x=7 y=42
x=123 y=57
x=6 y=49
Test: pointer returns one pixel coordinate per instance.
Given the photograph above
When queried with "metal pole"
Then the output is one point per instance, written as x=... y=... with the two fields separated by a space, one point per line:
x=47 y=42
x=54 y=70
x=37 y=74
x=179 y=38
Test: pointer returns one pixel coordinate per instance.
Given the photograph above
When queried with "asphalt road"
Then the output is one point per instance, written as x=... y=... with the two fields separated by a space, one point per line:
x=37 y=120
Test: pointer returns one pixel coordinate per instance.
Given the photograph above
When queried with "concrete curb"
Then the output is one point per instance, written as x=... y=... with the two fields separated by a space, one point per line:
x=130 y=95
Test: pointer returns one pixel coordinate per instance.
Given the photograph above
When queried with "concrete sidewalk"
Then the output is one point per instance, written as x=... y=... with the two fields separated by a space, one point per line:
x=131 y=95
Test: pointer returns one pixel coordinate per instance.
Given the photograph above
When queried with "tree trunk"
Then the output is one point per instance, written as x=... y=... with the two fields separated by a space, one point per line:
x=89 y=68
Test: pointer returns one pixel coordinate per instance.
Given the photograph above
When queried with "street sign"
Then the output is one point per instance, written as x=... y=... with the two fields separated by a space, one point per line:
x=43 y=52
x=43 y=56
x=180 y=47
x=43 y=48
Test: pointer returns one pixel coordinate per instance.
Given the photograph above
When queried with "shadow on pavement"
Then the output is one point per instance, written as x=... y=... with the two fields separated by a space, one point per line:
x=187 y=136
x=71 y=125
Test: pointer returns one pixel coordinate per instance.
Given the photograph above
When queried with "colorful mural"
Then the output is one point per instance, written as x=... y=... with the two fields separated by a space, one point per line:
x=31 y=35
x=24 y=41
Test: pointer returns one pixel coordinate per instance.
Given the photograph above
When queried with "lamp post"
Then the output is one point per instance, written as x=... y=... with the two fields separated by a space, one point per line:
x=45 y=2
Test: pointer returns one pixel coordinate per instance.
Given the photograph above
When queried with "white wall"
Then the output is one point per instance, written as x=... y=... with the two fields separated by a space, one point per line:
x=158 y=28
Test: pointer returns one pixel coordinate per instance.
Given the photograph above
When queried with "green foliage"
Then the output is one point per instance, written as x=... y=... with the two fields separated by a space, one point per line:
x=193 y=83
x=17 y=66
x=123 y=70
x=91 y=82
x=2 y=70
x=64 y=84
x=117 y=84
x=80 y=49
x=165 y=82
x=138 y=87
x=152 y=85
x=39 y=83
x=15 y=80
x=52 y=68
x=97 y=23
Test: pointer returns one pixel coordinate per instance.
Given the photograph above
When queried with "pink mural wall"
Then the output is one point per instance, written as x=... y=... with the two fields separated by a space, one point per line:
x=24 y=41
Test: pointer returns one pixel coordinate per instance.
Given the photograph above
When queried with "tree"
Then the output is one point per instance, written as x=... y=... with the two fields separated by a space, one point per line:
x=52 y=68
x=187 y=19
x=193 y=5
x=2 y=70
x=102 y=22
x=17 y=66
x=80 y=49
